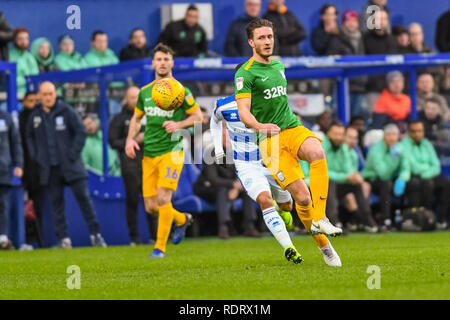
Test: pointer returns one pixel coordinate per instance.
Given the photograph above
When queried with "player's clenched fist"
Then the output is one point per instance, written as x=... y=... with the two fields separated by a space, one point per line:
x=130 y=148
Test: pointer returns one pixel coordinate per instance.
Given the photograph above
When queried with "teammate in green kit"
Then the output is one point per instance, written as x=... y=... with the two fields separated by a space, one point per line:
x=163 y=160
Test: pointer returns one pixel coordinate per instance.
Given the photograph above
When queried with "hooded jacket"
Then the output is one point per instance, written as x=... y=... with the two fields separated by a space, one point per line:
x=47 y=64
x=70 y=136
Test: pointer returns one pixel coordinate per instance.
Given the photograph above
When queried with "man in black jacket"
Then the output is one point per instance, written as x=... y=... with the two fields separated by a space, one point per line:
x=290 y=32
x=30 y=179
x=443 y=32
x=6 y=35
x=186 y=37
x=137 y=47
x=236 y=42
x=55 y=138
x=10 y=156
x=131 y=168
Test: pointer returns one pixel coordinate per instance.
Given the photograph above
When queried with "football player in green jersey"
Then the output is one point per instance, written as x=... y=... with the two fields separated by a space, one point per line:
x=163 y=160
x=263 y=105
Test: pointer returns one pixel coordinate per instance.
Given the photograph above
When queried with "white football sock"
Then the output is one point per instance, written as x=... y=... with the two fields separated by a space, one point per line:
x=3 y=238
x=276 y=226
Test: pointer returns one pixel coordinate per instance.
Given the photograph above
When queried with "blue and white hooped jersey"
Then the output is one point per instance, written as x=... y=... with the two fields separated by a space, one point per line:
x=243 y=139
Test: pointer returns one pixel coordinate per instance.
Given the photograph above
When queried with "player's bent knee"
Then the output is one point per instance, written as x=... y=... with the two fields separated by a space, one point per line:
x=164 y=196
x=265 y=200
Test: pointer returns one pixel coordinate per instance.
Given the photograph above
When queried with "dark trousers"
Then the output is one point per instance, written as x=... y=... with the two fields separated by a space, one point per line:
x=224 y=205
x=81 y=192
x=132 y=180
x=3 y=214
x=383 y=189
x=422 y=192
x=337 y=191
x=36 y=196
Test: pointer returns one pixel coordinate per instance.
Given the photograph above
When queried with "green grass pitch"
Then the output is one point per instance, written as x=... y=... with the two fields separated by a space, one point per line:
x=412 y=266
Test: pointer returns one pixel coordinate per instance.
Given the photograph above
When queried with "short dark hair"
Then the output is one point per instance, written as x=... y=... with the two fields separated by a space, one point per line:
x=96 y=33
x=413 y=122
x=134 y=30
x=192 y=7
x=258 y=23
x=336 y=123
x=356 y=118
x=28 y=93
x=433 y=99
x=327 y=6
x=161 y=47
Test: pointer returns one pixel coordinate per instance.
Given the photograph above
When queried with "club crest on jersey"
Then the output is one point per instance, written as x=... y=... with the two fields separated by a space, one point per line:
x=282 y=74
x=280 y=176
x=239 y=83
x=59 y=121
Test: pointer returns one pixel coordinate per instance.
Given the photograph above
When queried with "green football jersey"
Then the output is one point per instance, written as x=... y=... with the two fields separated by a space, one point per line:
x=266 y=85
x=156 y=140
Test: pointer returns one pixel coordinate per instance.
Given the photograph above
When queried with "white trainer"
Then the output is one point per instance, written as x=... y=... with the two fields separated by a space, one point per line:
x=325 y=227
x=330 y=256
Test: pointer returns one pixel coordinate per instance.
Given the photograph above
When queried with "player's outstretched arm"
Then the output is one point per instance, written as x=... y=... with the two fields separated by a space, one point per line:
x=131 y=144
x=250 y=121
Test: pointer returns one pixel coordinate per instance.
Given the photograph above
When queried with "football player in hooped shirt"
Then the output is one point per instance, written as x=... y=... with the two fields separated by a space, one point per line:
x=163 y=160
x=260 y=85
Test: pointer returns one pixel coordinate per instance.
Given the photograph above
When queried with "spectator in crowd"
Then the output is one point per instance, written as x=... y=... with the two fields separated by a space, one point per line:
x=402 y=36
x=436 y=129
x=426 y=90
x=426 y=180
x=42 y=51
x=219 y=184
x=68 y=59
x=349 y=41
x=26 y=64
x=236 y=42
x=366 y=21
x=289 y=31
x=342 y=166
x=359 y=123
x=6 y=35
x=387 y=169
x=443 y=32
x=92 y=153
x=323 y=123
x=393 y=106
x=379 y=41
x=131 y=168
x=416 y=44
x=137 y=47
x=99 y=55
x=328 y=29
x=30 y=179
x=186 y=37
x=10 y=156
x=351 y=140
x=55 y=138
